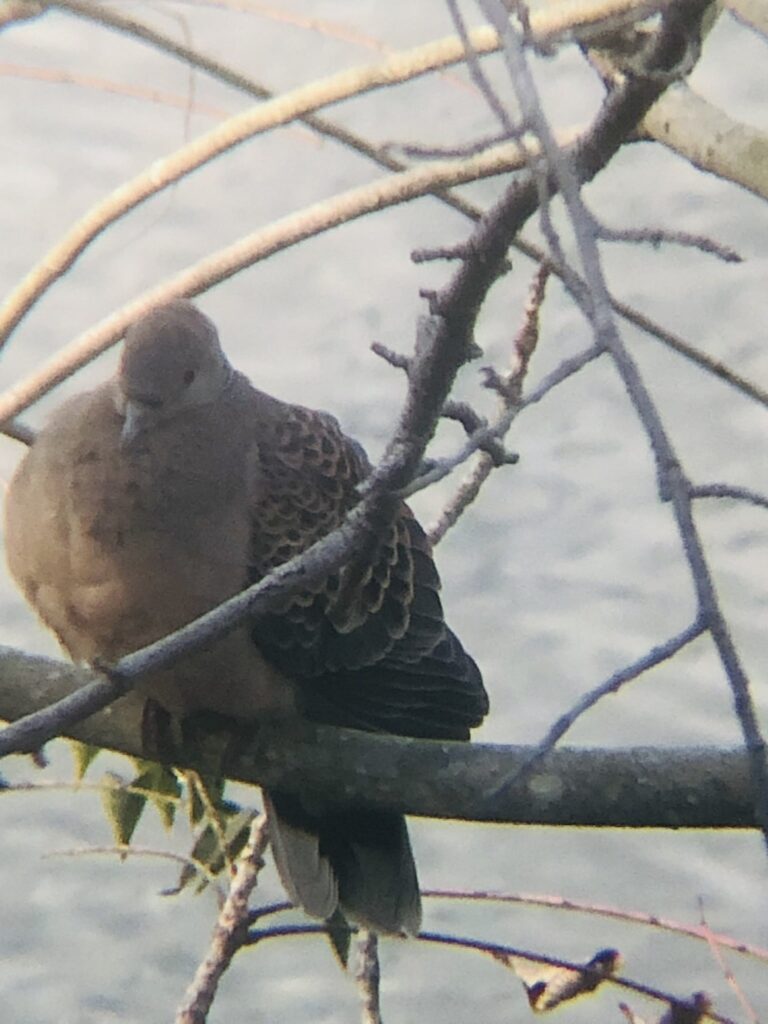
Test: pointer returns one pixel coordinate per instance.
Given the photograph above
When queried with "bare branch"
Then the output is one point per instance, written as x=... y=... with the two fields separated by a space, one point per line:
x=509 y=130
x=662 y=334
x=481 y=436
x=566 y=369
x=709 y=138
x=441 y=152
x=673 y=485
x=714 y=946
x=125 y=850
x=657 y=655
x=637 y=788
x=368 y=977
x=509 y=387
x=452 y=252
x=730 y=491
x=657 y=236
x=504 y=954
x=265 y=115
x=699 y=932
x=230 y=931
x=219 y=266
x=485 y=439
x=396 y=359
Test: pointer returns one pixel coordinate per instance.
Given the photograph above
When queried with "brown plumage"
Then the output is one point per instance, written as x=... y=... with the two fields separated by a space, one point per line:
x=151 y=499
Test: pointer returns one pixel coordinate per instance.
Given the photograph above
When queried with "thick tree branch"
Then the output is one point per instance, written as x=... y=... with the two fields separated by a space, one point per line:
x=634 y=788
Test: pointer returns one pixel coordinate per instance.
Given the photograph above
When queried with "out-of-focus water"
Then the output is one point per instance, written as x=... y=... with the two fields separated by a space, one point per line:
x=565 y=570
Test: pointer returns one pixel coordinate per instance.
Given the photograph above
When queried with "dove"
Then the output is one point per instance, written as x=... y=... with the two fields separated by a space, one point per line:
x=174 y=485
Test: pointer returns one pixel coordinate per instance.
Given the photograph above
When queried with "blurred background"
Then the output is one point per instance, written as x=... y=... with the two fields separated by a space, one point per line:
x=566 y=568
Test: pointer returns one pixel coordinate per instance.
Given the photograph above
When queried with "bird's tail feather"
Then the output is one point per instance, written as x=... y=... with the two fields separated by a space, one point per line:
x=357 y=860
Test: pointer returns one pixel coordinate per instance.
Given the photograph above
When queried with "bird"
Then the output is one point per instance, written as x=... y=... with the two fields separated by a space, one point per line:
x=175 y=484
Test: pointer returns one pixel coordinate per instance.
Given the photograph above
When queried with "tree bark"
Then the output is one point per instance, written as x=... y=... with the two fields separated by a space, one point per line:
x=638 y=787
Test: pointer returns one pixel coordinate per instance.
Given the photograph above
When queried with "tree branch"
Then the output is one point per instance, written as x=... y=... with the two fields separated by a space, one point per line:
x=639 y=787
x=224 y=263
x=230 y=931
x=565 y=172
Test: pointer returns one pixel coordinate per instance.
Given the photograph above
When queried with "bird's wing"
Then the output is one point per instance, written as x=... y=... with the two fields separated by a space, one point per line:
x=369 y=647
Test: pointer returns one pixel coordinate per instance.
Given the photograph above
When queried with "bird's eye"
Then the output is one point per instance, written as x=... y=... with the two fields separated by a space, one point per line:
x=189 y=376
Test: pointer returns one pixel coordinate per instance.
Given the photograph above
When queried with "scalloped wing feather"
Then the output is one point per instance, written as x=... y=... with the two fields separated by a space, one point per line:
x=369 y=647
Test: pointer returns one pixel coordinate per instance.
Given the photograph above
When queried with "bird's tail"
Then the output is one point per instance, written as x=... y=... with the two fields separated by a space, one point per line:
x=355 y=859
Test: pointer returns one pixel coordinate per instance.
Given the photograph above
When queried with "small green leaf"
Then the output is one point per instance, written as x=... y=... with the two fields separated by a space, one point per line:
x=160 y=783
x=83 y=754
x=233 y=831
x=214 y=791
x=123 y=808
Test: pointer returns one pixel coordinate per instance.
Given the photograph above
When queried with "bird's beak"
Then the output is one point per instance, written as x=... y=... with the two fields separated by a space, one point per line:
x=134 y=423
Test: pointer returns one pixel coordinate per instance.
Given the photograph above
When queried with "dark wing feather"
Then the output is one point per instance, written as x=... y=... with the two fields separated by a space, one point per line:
x=369 y=648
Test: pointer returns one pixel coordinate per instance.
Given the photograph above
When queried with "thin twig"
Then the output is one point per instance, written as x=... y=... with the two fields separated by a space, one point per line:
x=501 y=953
x=662 y=334
x=123 y=850
x=147 y=94
x=567 y=368
x=230 y=932
x=475 y=426
x=504 y=953
x=602 y=910
x=368 y=977
x=465 y=494
x=509 y=130
x=441 y=152
x=281 y=931
x=443 y=252
x=730 y=491
x=396 y=359
x=714 y=947
x=658 y=236
x=267 y=910
x=656 y=656
x=484 y=436
x=509 y=389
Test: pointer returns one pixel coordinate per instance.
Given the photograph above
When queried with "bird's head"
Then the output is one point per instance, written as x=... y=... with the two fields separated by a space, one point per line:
x=172 y=361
